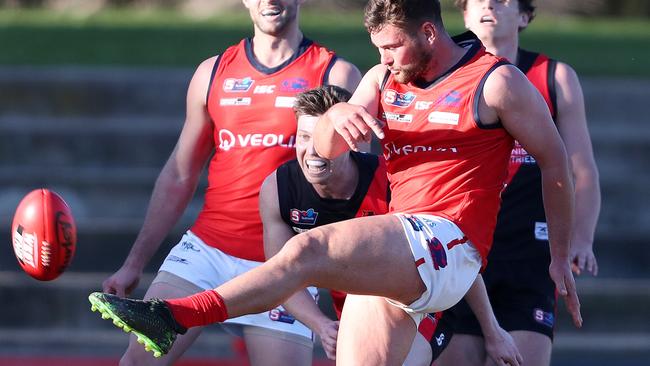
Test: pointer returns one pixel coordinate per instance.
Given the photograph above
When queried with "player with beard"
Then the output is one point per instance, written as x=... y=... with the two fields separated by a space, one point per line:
x=240 y=119
x=447 y=123
x=520 y=290
x=312 y=191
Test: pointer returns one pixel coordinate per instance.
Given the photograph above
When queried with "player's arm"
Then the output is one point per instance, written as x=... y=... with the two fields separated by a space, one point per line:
x=572 y=124
x=498 y=343
x=345 y=75
x=301 y=305
x=509 y=97
x=346 y=125
x=174 y=186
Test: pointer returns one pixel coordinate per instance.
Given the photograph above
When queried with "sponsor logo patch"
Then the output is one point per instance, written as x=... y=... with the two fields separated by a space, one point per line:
x=233 y=85
x=294 y=85
x=445 y=118
x=234 y=101
x=541 y=231
x=398 y=99
x=451 y=99
x=264 y=89
x=422 y=105
x=391 y=149
x=519 y=155
x=280 y=315
x=398 y=117
x=303 y=217
x=284 y=102
x=228 y=140
x=544 y=318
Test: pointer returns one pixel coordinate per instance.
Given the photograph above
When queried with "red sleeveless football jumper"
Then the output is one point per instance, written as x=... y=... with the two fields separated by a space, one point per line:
x=441 y=160
x=254 y=132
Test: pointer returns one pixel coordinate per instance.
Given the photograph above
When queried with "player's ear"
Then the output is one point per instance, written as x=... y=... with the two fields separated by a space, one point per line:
x=246 y=4
x=524 y=20
x=429 y=32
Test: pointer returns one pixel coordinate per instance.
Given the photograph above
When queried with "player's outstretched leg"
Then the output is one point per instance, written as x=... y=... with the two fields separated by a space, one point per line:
x=150 y=320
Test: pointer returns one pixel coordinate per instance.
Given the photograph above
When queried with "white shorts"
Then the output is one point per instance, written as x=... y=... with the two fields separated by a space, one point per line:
x=447 y=262
x=208 y=268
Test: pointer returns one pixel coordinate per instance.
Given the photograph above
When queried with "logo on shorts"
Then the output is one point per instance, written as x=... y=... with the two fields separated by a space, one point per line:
x=541 y=231
x=187 y=246
x=303 y=217
x=176 y=259
x=279 y=315
x=544 y=318
x=415 y=223
x=438 y=253
x=440 y=339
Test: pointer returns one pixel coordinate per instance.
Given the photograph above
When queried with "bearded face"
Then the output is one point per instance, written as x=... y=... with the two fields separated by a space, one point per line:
x=417 y=64
x=406 y=57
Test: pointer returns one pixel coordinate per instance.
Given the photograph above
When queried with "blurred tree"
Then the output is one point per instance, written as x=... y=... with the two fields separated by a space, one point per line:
x=21 y=3
x=628 y=8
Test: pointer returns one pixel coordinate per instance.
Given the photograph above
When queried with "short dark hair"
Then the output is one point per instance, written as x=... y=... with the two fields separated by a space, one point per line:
x=316 y=102
x=404 y=14
x=525 y=6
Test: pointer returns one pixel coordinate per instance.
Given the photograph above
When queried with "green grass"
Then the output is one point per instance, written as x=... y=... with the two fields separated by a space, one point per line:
x=606 y=47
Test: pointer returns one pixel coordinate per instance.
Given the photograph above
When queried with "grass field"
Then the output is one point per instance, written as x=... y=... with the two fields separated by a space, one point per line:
x=604 y=47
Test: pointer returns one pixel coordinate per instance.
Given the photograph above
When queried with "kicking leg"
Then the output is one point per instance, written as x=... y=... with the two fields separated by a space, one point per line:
x=368 y=255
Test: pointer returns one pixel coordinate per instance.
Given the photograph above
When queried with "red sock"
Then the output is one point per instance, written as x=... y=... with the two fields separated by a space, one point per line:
x=204 y=308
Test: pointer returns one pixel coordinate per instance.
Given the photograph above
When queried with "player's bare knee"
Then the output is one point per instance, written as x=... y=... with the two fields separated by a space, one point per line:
x=306 y=248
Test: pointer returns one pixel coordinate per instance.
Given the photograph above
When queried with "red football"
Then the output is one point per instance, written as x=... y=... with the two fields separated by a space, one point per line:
x=44 y=234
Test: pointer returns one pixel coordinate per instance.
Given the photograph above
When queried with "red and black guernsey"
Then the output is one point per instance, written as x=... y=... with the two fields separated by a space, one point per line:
x=521 y=224
x=302 y=208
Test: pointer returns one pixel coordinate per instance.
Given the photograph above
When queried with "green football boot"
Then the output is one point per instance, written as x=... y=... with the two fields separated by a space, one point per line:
x=150 y=320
